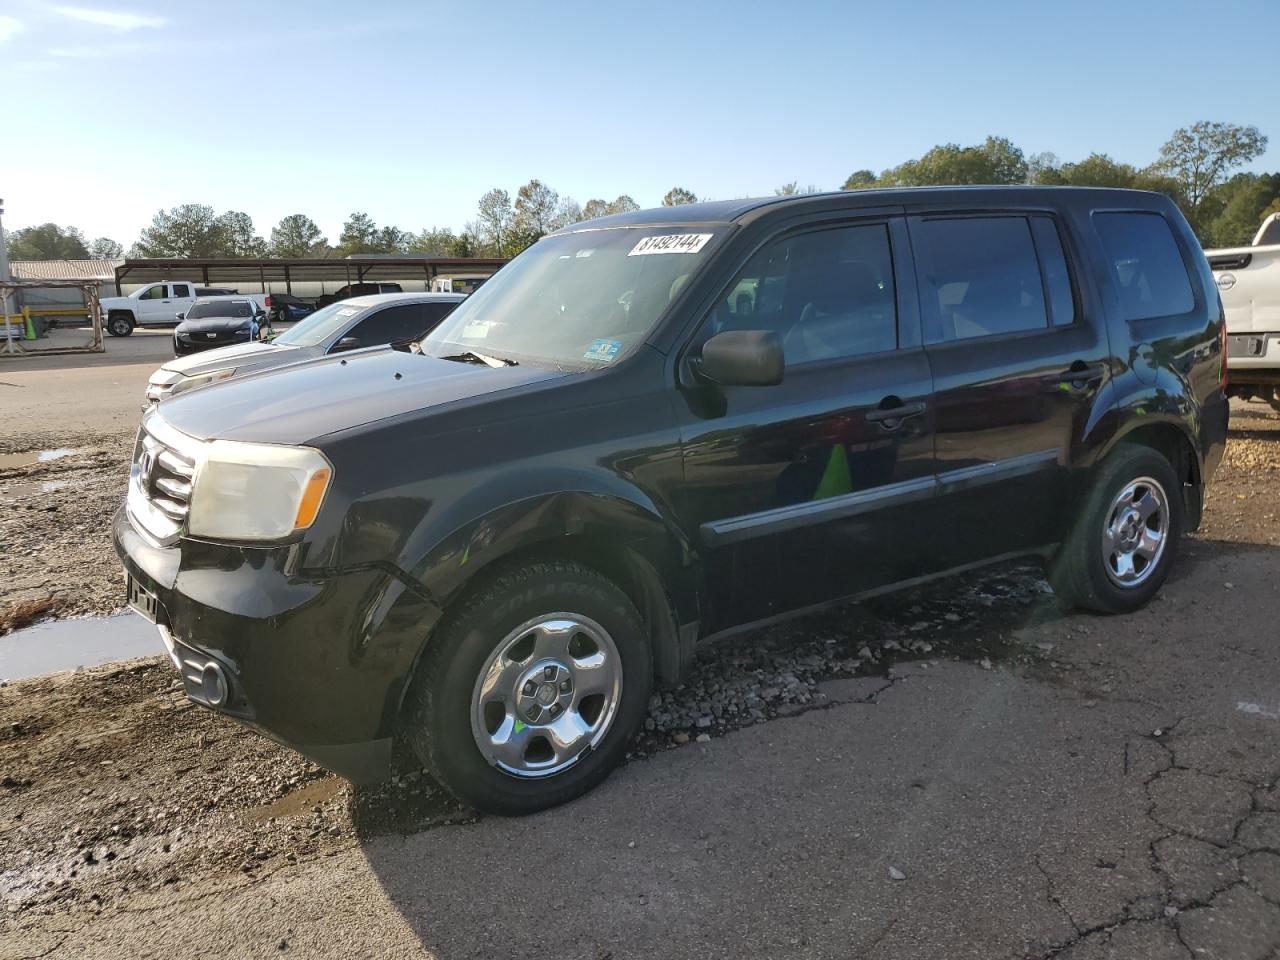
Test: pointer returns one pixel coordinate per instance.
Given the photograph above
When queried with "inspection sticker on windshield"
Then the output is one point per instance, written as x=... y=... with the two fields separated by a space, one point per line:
x=603 y=350
x=670 y=243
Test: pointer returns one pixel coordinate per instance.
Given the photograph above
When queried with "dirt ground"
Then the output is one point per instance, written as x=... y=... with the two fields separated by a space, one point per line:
x=116 y=793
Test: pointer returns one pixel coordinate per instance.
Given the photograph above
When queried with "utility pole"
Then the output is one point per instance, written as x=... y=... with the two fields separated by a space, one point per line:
x=4 y=250
x=9 y=345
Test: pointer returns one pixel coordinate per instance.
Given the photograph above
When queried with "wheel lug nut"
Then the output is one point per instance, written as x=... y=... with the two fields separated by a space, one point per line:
x=549 y=673
x=555 y=711
x=528 y=688
x=565 y=686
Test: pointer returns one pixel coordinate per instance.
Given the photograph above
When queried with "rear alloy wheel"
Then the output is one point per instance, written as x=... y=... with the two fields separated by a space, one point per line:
x=119 y=325
x=531 y=689
x=1125 y=536
x=1136 y=532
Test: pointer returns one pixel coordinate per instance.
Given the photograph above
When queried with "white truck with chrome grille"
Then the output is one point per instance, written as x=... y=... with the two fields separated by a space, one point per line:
x=1248 y=280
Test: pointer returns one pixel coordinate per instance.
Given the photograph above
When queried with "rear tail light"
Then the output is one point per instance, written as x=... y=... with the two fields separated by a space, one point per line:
x=268 y=300
x=1222 y=338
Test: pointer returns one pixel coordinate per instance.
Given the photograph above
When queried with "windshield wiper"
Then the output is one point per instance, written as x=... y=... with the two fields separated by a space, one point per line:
x=470 y=356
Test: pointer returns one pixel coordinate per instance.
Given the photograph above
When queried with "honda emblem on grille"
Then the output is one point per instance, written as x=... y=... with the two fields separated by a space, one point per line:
x=212 y=336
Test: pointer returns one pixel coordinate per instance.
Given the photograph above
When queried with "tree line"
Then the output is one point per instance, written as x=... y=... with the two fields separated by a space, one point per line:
x=1196 y=167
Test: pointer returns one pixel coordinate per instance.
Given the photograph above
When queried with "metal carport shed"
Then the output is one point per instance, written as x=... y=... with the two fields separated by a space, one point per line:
x=216 y=271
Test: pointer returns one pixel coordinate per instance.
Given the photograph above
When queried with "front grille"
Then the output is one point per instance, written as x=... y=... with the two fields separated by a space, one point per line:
x=164 y=465
x=214 y=336
x=165 y=478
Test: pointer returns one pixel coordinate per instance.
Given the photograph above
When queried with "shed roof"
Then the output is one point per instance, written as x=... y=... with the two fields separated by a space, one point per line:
x=101 y=270
x=221 y=270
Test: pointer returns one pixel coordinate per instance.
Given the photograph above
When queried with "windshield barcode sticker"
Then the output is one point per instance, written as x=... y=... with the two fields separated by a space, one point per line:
x=670 y=243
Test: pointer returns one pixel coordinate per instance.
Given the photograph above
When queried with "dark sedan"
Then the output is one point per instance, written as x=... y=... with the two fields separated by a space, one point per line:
x=216 y=322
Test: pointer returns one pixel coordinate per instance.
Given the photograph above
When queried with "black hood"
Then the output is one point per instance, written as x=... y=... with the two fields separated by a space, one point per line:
x=307 y=400
x=214 y=324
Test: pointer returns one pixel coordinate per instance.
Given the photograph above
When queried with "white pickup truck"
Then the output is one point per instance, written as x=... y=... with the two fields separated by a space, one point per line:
x=158 y=305
x=1248 y=280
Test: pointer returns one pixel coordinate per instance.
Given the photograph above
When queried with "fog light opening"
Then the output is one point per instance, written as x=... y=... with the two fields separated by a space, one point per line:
x=213 y=684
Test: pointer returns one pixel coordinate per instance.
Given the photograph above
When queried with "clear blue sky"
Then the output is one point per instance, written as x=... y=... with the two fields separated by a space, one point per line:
x=411 y=110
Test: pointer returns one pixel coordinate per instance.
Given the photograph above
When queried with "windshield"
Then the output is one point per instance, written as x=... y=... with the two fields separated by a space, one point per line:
x=220 y=308
x=319 y=326
x=579 y=300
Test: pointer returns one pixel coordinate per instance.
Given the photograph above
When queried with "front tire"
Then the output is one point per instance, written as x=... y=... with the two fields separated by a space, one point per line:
x=531 y=690
x=1125 y=536
x=119 y=325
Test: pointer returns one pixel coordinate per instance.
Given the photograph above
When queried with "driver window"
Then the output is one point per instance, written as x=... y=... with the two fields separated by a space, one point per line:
x=156 y=293
x=827 y=294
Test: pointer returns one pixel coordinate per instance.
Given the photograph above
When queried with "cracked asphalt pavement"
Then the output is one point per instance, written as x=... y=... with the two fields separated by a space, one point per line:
x=960 y=772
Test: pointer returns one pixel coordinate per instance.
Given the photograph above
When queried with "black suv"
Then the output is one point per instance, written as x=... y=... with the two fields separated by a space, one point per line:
x=667 y=426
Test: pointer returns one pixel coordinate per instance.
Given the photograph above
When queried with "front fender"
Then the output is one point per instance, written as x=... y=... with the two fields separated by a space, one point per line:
x=615 y=518
x=415 y=599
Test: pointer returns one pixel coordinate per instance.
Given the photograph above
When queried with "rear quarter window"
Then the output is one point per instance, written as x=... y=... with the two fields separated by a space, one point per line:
x=1146 y=265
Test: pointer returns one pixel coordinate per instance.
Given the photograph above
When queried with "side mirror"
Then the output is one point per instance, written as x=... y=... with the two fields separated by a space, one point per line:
x=180 y=317
x=346 y=343
x=744 y=358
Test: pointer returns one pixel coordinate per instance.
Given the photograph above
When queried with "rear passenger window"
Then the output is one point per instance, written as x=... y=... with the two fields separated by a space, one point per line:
x=1057 y=278
x=827 y=294
x=980 y=277
x=181 y=290
x=1146 y=265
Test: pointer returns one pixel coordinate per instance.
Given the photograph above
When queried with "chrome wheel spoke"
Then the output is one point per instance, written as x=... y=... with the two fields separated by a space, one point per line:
x=1124 y=566
x=568 y=735
x=499 y=678
x=551 y=639
x=511 y=741
x=596 y=679
x=1148 y=505
x=1149 y=543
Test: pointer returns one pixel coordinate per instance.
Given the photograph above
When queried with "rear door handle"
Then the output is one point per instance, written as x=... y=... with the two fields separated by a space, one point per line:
x=890 y=418
x=1083 y=373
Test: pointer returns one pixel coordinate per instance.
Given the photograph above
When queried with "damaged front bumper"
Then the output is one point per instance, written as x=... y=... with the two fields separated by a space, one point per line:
x=316 y=662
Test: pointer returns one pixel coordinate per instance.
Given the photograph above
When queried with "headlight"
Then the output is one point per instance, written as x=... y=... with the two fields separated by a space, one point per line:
x=201 y=380
x=256 y=491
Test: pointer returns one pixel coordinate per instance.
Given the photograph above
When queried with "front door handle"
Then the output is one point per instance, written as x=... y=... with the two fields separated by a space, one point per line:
x=891 y=417
x=1080 y=374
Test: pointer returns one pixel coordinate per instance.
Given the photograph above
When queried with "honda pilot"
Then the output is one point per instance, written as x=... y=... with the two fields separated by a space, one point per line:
x=661 y=428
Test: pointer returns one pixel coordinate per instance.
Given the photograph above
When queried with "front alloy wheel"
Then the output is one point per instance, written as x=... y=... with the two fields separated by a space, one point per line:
x=547 y=695
x=531 y=688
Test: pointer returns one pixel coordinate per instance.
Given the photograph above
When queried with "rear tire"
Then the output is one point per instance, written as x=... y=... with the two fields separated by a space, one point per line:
x=1125 y=536
x=532 y=689
x=119 y=325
